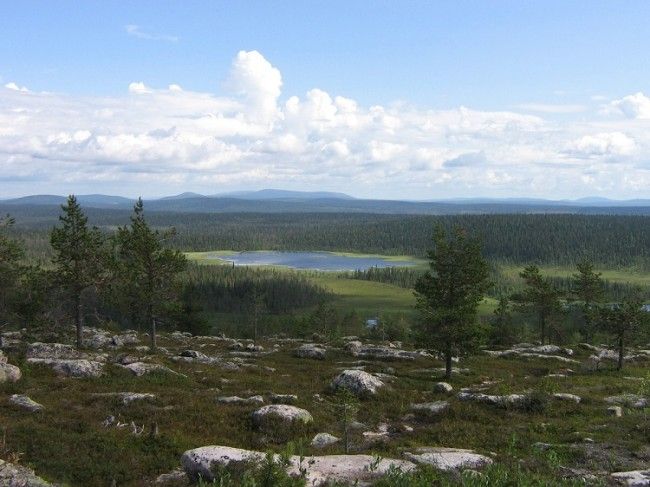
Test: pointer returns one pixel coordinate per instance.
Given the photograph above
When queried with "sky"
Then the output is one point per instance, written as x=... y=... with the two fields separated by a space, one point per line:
x=394 y=100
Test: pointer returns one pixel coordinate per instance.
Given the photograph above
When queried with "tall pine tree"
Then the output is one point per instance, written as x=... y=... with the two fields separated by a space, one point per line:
x=540 y=298
x=78 y=257
x=449 y=294
x=588 y=288
x=148 y=268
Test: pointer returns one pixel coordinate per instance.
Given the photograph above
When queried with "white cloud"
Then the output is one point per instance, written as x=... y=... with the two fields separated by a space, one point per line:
x=136 y=31
x=14 y=87
x=171 y=139
x=551 y=108
x=634 y=106
x=608 y=144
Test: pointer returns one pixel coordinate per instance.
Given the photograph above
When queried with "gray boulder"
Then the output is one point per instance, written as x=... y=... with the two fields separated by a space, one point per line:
x=310 y=350
x=323 y=440
x=358 y=382
x=563 y=396
x=271 y=415
x=430 y=409
x=240 y=400
x=79 y=368
x=9 y=373
x=443 y=387
x=18 y=476
x=633 y=478
x=448 y=458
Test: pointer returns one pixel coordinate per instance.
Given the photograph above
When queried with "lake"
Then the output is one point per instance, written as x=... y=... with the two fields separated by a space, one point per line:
x=322 y=261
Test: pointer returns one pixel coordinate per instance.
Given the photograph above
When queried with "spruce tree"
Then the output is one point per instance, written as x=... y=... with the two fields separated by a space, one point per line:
x=11 y=268
x=149 y=269
x=625 y=321
x=78 y=258
x=449 y=294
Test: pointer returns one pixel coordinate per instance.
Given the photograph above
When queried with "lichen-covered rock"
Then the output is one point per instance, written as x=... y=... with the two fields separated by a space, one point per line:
x=630 y=400
x=496 y=400
x=273 y=414
x=318 y=470
x=25 y=402
x=18 y=476
x=633 y=478
x=443 y=387
x=380 y=352
x=430 y=409
x=240 y=400
x=448 y=458
x=310 y=350
x=141 y=368
x=358 y=382
x=9 y=373
x=616 y=411
x=79 y=368
x=323 y=440
x=283 y=398
x=563 y=396
x=53 y=351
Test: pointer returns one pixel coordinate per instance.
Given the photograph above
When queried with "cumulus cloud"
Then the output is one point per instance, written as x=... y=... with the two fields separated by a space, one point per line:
x=608 y=144
x=634 y=106
x=172 y=139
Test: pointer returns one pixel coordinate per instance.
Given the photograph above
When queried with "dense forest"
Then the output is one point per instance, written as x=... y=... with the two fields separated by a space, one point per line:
x=609 y=241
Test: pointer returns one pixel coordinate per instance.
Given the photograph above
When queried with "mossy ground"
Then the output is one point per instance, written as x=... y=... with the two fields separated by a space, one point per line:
x=67 y=442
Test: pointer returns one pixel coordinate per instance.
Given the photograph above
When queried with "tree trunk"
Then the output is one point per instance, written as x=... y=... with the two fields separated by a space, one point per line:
x=621 y=353
x=79 y=319
x=543 y=326
x=448 y=367
x=152 y=320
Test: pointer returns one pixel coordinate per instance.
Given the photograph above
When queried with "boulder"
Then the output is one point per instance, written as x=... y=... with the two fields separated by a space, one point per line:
x=271 y=415
x=18 y=476
x=310 y=350
x=9 y=373
x=633 y=478
x=323 y=440
x=495 y=400
x=53 y=351
x=358 y=382
x=442 y=387
x=25 y=402
x=448 y=458
x=79 y=368
x=193 y=354
x=563 y=396
x=240 y=400
x=616 y=411
x=141 y=368
x=430 y=409
x=380 y=352
x=283 y=398
x=629 y=400
x=318 y=470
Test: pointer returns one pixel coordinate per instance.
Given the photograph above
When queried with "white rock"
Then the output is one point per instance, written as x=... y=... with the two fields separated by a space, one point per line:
x=269 y=415
x=616 y=411
x=79 y=368
x=430 y=408
x=9 y=373
x=448 y=458
x=630 y=400
x=18 y=476
x=443 y=387
x=25 y=402
x=240 y=400
x=322 y=440
x=634 y=478
x=358 y=382
x=563 y=396
x=310 y=350
x=283 y=398
x=141 y=368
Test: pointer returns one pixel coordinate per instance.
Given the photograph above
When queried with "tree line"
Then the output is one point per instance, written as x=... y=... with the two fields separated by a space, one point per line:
x=553 y=239
x=130 y=271
x=449 y=294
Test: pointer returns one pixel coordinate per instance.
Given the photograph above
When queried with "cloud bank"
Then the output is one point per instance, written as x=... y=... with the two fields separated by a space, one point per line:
x=156 y=141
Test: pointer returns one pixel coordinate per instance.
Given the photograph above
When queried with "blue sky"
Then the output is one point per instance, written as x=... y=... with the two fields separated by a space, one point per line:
x=512 y=88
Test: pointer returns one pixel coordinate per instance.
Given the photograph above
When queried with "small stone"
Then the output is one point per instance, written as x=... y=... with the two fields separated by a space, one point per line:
x=283 y=398
x=430 y=409
x=563 y=396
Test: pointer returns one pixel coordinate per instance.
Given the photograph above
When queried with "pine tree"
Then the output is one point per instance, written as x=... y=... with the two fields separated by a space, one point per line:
x=449 y=294
x=503 y=331
x=78 y=257
x=540 y=297
x=587 y=286
x=149 y=270
x=625 y=321
x=11 y=268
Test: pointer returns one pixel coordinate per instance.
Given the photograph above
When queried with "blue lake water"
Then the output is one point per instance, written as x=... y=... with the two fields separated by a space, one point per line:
x=323 y=261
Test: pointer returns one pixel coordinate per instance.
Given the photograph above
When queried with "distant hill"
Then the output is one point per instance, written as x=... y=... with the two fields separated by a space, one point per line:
x=283 y=201
x=281 y=194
